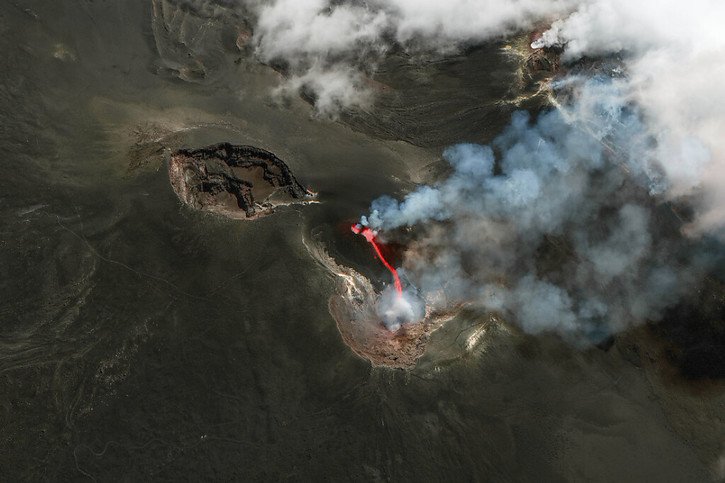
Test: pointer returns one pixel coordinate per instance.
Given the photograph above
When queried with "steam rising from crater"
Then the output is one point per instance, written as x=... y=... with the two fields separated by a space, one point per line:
x=397 y=309
x=674 y=58
x=570 y=221
x=672 y=54
x=561 y=223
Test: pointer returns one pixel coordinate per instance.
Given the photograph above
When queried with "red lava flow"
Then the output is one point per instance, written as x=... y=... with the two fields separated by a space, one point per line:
x=369 y=235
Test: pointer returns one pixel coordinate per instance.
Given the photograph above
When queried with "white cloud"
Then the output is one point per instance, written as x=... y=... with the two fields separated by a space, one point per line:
x=466 y=20
x=299 y=31
x=673 y=53
x=334 y=88
x=675 y=57
x=314 y=36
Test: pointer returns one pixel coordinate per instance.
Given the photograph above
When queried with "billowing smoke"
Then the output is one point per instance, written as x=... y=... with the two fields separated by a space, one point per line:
x=396 y=309
x=583 y=220
x=674 y=56
x=554 y=224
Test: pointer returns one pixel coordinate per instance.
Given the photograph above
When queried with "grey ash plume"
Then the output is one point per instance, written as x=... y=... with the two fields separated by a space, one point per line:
x=559 y=224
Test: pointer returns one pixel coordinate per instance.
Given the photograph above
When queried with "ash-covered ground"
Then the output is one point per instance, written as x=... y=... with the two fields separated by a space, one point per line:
x=143 y=340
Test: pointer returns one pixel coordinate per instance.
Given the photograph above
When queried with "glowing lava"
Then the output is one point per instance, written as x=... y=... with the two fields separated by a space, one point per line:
x=369 y=235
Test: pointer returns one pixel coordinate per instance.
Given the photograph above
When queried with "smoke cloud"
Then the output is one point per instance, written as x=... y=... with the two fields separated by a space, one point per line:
x=568 y=222
x=554 y=224
x=397 y=309
x=674 y=55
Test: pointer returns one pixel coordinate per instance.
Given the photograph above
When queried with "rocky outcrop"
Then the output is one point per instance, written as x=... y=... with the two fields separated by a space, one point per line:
x=361 y=328
x=242 y=182
x=542 y=60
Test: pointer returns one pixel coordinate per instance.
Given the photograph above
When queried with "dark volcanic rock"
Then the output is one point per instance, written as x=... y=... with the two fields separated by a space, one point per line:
x=241 y=182
x=695 y=332
x=544 y=61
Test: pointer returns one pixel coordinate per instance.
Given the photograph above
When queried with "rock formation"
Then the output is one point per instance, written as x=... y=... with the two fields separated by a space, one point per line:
x=241 y=182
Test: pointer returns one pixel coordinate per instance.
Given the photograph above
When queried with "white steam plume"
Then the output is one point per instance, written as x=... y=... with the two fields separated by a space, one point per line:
x=674 y=54
x=565 y=229
x=396 y=309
